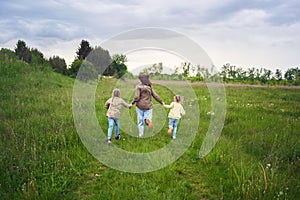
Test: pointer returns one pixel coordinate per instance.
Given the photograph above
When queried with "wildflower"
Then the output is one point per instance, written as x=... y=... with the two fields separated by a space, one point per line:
x=210 y=113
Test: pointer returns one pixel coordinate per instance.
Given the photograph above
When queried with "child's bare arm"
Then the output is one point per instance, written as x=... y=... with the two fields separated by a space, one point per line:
x=126 y=104
x=182 y=111
x=169 y=106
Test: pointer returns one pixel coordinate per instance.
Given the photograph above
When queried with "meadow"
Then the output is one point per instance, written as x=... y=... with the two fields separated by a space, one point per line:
x=42 y=156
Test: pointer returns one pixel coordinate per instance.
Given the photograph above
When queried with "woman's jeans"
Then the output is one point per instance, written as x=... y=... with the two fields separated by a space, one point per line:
x=142 y=115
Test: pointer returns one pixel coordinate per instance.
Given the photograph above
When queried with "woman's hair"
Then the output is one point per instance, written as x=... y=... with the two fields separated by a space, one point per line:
x=144 y=78
x=116 y=93
x=178 y=98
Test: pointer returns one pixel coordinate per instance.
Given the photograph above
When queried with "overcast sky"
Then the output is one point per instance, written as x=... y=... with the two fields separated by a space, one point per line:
x=257 y=33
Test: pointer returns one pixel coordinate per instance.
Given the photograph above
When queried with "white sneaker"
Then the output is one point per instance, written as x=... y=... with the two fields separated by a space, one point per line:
x=141 y=131
x=173 y=137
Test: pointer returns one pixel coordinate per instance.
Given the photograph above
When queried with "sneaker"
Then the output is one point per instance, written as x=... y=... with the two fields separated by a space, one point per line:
x=170 y=130
x=148 y=121
x=108 y=141
x=117 y=137
x=173 y=137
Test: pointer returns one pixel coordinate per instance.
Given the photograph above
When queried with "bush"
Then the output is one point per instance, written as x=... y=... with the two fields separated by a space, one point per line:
x=86 y=71
x=58 y=64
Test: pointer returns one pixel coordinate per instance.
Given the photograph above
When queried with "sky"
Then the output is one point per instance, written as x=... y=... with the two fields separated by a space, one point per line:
x=248 y=33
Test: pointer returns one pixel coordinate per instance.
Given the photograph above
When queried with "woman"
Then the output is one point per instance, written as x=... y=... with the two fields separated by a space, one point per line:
x=143 y=101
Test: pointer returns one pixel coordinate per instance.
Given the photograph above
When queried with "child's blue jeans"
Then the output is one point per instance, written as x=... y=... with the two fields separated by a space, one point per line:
x=111 y=123
x=173 y=124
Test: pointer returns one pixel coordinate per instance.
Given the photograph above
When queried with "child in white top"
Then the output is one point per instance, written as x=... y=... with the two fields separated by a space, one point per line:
x=174 y=115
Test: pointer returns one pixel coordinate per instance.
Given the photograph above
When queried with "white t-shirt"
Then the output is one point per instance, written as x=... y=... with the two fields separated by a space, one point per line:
x=176 y=110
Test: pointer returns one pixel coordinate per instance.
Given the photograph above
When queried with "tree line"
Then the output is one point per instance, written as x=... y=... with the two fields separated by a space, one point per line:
x=95 y=61
x=231 y=73
x=89 y=61
x=228 y=74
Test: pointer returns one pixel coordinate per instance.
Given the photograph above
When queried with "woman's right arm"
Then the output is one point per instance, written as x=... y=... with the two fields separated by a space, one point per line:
x=156 y=97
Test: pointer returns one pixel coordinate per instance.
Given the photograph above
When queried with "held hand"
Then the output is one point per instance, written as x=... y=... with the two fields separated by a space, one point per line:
x=130 y=106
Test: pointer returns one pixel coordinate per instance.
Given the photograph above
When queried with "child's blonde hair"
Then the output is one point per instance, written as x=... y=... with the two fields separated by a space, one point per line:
x=116 y=93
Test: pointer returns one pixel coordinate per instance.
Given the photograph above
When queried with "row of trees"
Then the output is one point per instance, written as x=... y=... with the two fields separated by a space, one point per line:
x=91 y=61
x=229 y=73
x=94 y=61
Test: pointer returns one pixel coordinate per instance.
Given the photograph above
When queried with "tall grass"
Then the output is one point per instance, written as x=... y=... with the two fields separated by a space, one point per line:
x=42 y=157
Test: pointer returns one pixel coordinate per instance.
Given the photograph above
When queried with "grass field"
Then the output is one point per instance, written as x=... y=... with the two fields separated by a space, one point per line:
x=42 y=156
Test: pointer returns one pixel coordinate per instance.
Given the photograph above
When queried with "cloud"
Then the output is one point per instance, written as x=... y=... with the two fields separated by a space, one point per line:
x=231 y=30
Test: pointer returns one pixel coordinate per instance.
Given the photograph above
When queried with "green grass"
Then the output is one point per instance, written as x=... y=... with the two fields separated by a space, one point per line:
x=42 y=156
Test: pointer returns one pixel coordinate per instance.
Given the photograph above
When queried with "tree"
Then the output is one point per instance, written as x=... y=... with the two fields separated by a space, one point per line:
x=289 y=75
x=293 y=75
x=257 y=73
x=251 y=73
x=117 y=67
x=37 y=57
x=186 y=69
x=58 y=64
x=23 y=52
x=154 y=70
x=7 y=55
x=278 y=75
x=265 y=75
x=297 y=76
x=74 y=68
x=119 y=58
x=232 y=72
x=87 y=71
x=100 y=59
x=83 y=50
x=240 y=74
x=225 y=71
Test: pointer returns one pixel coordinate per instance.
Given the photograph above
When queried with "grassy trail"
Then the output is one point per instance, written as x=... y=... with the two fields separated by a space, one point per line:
x=42 y=156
